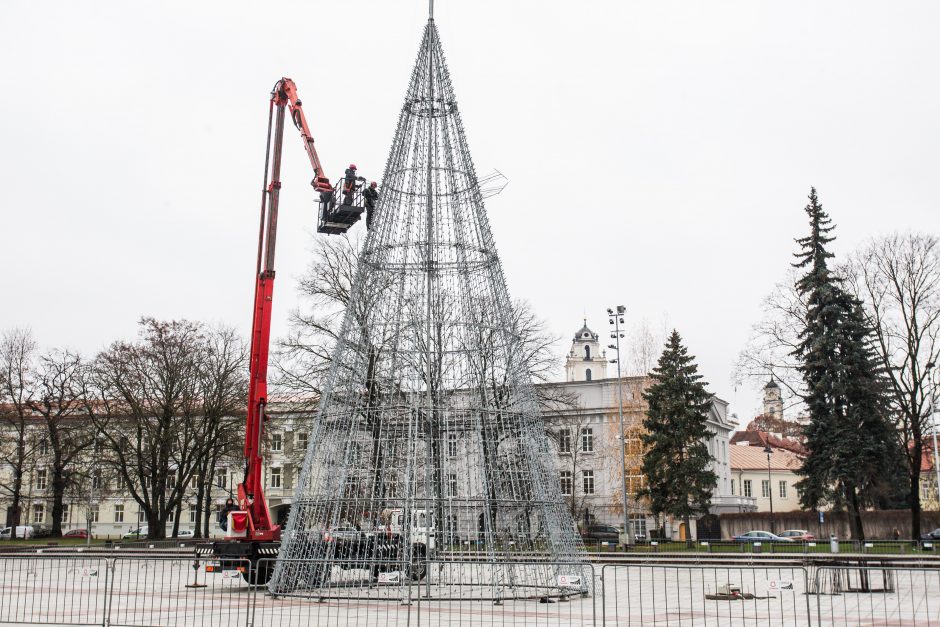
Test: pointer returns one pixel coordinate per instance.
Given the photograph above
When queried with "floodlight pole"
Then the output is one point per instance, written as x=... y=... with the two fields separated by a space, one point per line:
x=615 y=319
x=770 y=487
x=933 y=425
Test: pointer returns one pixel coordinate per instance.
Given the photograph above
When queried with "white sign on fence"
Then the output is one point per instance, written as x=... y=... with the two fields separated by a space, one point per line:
x=569 y=581
x=88 y=571
x=389 y=577
x=774 y=585
x=231 y=574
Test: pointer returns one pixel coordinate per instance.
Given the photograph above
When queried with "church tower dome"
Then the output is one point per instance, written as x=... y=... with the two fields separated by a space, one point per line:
x=586 y=361
x=773 y=402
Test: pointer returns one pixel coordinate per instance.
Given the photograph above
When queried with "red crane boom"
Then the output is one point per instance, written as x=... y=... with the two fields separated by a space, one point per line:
x=260 y=526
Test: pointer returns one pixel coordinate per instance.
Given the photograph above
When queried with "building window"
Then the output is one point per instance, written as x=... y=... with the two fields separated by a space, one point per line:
x=277 y=442
x=587 y=481
x=587 y=440
x=747 y=487
x=96 y=480
x=783 y=489
x=587 y=374
x=65 y=513
x=192 y=512
x=452 y=485
x=275 y=477
x=140 y=516
x=95 y=512
x=765 y=488
x=564 y=440
x=587 y=354
x=41 y=476
x=302 y=441
x=221 y=478
x=566 y=483
x=171 y=517
x=119 y=513
x=732 y=487
x=44 y=446
x=39 y=514
x=452 y=445
x=638 y=524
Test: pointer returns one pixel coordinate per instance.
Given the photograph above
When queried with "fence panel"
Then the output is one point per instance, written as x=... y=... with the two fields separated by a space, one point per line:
x=851 y=595
x=445 y=592
x=177 y=591
x=709 y=595
x=53 y=589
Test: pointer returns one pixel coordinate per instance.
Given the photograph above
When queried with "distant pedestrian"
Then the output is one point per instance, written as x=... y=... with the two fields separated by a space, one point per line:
x=897 y=533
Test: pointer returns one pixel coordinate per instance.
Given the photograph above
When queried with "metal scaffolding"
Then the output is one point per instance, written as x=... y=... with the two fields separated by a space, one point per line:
x=428 y=444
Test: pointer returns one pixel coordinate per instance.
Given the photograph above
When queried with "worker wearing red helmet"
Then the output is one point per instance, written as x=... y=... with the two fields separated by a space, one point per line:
x=370 y=194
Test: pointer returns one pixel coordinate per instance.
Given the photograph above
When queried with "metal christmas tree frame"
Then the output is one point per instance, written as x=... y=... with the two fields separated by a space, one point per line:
x=428 y=447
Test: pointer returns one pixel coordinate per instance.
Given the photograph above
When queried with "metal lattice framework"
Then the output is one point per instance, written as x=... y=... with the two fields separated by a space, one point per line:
x=428 y=437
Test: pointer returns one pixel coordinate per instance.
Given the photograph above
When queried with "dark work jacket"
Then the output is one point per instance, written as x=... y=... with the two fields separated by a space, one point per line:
x=350 y=176
x=371 y=195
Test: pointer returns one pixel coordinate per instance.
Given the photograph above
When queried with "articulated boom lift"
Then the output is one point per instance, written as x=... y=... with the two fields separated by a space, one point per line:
x=251 y=533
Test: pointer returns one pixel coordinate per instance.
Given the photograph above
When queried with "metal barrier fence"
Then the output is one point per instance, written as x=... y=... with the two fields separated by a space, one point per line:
x=886 y=547
x=880 y=595
x=59 y=590
x=718 y=595
x=168 y=591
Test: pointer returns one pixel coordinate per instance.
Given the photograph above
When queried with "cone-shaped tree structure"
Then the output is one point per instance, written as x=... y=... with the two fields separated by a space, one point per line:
x=428 y=435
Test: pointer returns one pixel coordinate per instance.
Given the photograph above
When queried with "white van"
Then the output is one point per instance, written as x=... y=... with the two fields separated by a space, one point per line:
x=23 y=532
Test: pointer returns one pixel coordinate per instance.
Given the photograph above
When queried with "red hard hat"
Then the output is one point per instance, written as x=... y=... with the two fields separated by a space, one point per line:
x=352 y=166
x=373 y=184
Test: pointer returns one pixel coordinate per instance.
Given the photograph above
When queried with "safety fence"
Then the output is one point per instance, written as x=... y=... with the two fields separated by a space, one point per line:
x=872 y=547
x=161 y=591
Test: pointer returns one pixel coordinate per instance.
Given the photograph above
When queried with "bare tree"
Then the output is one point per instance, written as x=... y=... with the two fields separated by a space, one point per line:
x=57 y=405
x=223 y=386
x=897 y=278
x=146 y=406
x=770 y=349
x=643 y=349
x=17 y=360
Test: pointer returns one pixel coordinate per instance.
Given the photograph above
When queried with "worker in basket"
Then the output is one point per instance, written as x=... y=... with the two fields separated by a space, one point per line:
x=230 y=506
x=371 y=194
x=349 y=184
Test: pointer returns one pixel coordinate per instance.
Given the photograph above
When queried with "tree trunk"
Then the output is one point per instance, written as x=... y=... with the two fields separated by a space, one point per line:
x=200 y=526
x=58 y=496
x=16 y=504
x=914 y=462
x=858 y=531
x=176 y=517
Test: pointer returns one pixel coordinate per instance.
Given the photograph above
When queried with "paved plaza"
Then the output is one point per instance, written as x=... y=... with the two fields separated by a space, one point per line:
x=154 y=592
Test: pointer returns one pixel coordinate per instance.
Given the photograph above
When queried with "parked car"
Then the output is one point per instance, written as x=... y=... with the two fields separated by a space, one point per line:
x=136 y=534
x=601 y=533
x=76 y=533
x=797 y=535
x=23 y=532
x=185 y=533
x=931 y=535
x=42 y=532
x=760 y=536
x=345 y=532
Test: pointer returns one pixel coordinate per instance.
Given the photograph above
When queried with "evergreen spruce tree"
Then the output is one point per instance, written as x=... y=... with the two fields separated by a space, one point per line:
x=677 y=464
x=848 y=435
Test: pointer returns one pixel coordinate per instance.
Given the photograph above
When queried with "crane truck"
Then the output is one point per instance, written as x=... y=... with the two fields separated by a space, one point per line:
x=251 y=534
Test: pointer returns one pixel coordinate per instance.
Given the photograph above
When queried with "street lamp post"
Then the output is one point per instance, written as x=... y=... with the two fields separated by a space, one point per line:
x=770 y=487
x=933 y=424
x=616 y=319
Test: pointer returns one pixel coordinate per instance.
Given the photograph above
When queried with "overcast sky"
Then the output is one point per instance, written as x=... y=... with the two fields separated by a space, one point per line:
x=659 y=153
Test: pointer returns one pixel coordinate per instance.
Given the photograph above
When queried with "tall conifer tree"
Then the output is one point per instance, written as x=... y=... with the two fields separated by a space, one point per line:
x=677 y=464
x=848 y=435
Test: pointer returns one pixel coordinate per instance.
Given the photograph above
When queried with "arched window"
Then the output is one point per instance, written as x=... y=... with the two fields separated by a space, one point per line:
x=587 y=353
x=587 y=374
